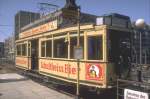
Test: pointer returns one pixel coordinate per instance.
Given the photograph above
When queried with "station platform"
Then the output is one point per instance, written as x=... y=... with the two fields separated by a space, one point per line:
x=15 y=86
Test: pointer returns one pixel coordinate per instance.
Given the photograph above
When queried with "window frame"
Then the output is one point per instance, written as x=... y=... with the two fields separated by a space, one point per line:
x=44 y=49
x=29 y=49
x=45 y=45
x=87 y=46
x=75 y=36
x=20 y=45
x=58 y=38
x=24 y=51
x=50 y=50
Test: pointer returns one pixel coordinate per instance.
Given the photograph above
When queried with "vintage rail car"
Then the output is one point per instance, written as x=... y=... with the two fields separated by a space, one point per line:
x=49 y=50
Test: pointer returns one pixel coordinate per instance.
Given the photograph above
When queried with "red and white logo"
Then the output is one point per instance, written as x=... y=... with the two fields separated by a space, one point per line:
x=94 y=72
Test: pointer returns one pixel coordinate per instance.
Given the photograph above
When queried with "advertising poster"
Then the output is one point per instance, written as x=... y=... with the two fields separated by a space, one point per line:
x=94 y=72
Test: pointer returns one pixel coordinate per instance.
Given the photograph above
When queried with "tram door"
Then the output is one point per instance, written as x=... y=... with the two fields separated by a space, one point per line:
x=120 y=51
x=34 y=54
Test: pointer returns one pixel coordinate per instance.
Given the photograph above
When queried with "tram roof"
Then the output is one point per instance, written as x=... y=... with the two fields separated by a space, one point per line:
x=64 y=22
x=117 y=15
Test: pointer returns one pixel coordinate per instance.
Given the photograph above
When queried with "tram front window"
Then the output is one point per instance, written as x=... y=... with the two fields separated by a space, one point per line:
x=119 y=50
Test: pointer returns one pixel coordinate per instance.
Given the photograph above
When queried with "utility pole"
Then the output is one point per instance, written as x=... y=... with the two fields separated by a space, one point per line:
x=140 y=24
x=72 y=11
x=78 y=60
x=78 y=22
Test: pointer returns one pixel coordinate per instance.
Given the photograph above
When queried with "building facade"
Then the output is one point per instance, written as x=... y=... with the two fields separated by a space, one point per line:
x=145 y=45
x=23 y=18
x=1 y=49
x=9 y=49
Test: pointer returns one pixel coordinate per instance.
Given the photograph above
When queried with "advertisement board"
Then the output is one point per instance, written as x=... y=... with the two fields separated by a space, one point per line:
x=94 y=72
x=39 y=29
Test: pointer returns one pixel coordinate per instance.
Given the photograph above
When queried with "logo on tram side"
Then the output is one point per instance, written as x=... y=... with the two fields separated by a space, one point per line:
x=94 y=72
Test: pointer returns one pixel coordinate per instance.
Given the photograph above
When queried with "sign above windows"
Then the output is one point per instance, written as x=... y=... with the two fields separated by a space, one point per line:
x=40 y=29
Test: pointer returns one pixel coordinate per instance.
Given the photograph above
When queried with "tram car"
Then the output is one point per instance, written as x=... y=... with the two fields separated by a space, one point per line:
x=47 y=46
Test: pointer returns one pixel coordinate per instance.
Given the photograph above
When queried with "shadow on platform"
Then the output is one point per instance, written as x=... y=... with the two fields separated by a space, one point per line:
x=12 y=80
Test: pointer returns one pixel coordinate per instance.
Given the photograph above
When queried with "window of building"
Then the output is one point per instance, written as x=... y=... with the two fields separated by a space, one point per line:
x=95 y=48
x=73 y=44
x=43 y=47
x=60 y=48
x=24 y=51
x=48 y=48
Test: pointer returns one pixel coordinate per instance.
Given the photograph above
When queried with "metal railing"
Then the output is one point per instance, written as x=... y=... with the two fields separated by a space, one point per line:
x=131 y=85
x=4 y=61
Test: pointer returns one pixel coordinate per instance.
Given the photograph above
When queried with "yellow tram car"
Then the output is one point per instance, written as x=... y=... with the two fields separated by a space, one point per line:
x=49 y=50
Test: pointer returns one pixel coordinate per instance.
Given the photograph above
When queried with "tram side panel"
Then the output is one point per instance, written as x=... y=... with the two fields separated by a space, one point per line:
x=23 y=62
x=91 y=74
x=111 y=74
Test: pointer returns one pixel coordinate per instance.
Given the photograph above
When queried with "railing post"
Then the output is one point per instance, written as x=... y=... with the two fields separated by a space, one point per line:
x=117 y=90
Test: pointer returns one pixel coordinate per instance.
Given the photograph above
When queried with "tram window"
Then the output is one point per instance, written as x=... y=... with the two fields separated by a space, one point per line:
x=18 y=50
x=95 y=48
x=73 y=43
x=119 y=45
x=29 y=49
x=48 y=48
x=43 y=49
x=60 y=48
x=24 y=51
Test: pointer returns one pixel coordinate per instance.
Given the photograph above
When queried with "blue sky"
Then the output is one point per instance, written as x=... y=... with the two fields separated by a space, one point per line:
x=134 y=8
